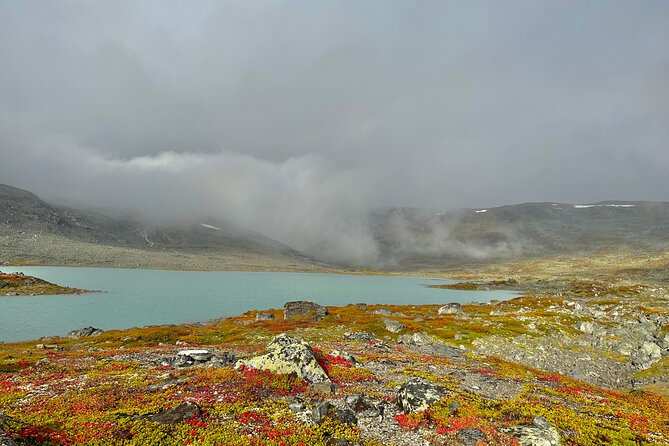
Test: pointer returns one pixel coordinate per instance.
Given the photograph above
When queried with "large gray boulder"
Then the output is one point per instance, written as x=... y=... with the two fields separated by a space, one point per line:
x=287 y=355
x=393 y=326
x=303 y=308
x=417 y=394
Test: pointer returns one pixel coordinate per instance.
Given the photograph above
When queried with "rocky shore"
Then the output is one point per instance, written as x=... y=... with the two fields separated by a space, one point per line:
x=535 y=370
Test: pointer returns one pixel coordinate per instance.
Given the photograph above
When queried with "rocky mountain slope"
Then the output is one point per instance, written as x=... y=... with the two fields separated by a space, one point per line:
x=410 y=238
x=32 y=230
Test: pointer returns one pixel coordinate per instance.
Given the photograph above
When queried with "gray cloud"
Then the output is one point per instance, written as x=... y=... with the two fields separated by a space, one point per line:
x=289 y=116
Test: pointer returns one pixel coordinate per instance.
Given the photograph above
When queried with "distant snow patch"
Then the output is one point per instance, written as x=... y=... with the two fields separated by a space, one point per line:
x=582 y=206
x=439 y=214
x=210 y=226
x=481 y=211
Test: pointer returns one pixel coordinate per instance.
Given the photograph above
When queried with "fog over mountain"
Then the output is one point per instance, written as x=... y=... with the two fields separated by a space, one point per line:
x=296 y=118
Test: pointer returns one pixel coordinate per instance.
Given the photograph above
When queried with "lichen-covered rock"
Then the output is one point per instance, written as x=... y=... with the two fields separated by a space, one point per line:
x=84 y=332
x=417 y=394
x=419 y=339
x=452 y=308
x=326 y=410
x=393 y=326
x=287 y=355
x=539 y=433
x=346 y=356
x=182 y=412
x=303 y=308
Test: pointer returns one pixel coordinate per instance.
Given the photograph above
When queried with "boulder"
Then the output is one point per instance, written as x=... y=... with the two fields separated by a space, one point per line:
x=303 y=308
x=452 y=308
x=392 y=325
x=539 y=433
x=261 y=316
x=3 y=284
x=326 y=410
x=419 y=339
x=182 y=412
x=417 y=394
x=287 y=355
x=84 y=332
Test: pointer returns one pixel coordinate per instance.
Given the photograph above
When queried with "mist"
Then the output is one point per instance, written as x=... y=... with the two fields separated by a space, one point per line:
x=295 y=119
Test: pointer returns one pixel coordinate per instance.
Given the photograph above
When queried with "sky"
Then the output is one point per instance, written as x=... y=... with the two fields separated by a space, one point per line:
x=285 y=116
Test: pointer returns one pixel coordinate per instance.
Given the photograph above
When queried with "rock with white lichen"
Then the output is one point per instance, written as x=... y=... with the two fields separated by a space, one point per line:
x=288 y=354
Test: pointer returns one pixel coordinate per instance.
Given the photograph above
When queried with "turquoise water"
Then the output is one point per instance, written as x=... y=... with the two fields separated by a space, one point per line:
x=136 y=298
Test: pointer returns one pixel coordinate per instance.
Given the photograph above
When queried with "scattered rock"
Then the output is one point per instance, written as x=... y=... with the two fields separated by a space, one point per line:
x=3 y=284
x=301 y=308
x=539 y=433
x=586 y=327
x=419 y=339
x=286 y=355
x=417 y=394
x=362 y=336
x=393 y=326
x=260 y=316
x=182 y=412
x=383 y=312
x=452 y=308
x=327 y=410
x=470 y=436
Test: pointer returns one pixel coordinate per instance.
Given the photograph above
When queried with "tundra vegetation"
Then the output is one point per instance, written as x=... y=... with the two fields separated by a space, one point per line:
x=586 y=364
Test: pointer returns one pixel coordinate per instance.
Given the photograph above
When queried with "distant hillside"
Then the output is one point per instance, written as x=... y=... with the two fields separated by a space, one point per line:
x=417 y=238
x=32 y=230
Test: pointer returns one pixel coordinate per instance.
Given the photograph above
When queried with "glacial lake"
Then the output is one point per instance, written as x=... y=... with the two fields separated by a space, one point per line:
x=134 y=298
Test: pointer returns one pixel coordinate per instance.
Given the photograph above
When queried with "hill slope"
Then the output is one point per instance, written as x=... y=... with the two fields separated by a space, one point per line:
x=418 y=238
x=32 y=230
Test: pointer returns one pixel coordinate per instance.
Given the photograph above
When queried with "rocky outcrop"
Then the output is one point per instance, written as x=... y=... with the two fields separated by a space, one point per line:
x=84 y=332
x=286 y=355
x=303 y=308
x=417 y=394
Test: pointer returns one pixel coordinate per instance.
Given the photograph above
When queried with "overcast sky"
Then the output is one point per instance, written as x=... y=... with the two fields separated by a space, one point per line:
x=291 y=112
